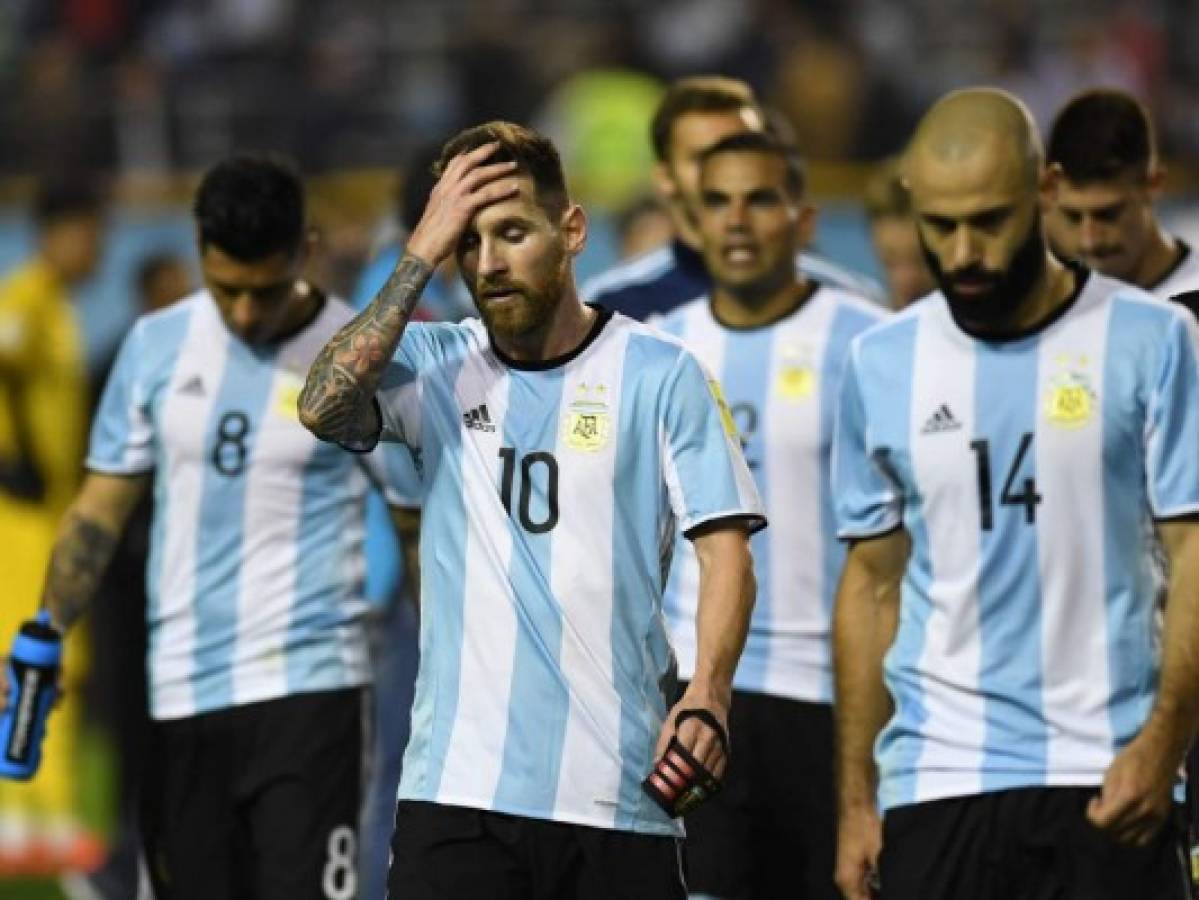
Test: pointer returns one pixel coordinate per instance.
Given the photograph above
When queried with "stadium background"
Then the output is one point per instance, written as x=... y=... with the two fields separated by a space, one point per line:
x=146 y=93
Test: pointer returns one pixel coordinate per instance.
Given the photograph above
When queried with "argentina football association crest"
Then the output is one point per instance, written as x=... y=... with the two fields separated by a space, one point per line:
x=1071 y=400
x=588 y=421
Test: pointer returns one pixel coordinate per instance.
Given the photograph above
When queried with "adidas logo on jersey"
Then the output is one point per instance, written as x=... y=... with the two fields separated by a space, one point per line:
x=478 y=419
x=193 y=387
x=941 y=421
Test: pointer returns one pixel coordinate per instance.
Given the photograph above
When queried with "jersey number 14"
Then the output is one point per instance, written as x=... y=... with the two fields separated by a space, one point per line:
x=1027 y=498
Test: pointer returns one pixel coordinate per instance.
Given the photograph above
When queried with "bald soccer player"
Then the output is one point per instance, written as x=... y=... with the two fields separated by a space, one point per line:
x=1105 y=176
x=1000 y=447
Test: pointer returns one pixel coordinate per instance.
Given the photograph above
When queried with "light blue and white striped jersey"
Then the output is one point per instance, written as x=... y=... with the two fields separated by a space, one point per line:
x=1027 y=473
x=781 y=384
x=255 y=576
x=552 y=497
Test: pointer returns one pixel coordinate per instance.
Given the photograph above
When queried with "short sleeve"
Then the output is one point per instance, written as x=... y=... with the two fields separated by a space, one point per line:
x=706 y=475
x=122 y=437
x=393 y=471
x=1171 y=427
x=867 y=499
x=399 y=394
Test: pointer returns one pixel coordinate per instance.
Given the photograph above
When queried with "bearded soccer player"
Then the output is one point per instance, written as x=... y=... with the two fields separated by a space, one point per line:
x=561 y=446
x=777 y=342
x=1002 y=689
x=1105 y=176
x=257 y=659
x=694 y=114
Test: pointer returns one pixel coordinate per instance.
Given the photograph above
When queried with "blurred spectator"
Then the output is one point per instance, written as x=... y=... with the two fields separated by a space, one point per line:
x=163 y=278
x=43 y=417
x=896 y=240
x=644 y=226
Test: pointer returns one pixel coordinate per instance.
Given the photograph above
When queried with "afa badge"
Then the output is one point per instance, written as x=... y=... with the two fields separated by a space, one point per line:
x=588 y=422
x=796 y=379
x=1071 y=401
x=287 y=395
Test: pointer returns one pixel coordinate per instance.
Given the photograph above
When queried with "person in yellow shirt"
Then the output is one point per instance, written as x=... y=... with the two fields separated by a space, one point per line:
x=43 y=421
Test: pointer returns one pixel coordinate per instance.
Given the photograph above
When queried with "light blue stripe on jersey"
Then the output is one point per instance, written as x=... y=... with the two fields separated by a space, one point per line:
x=748 y=359
x=847 y=323
x=900 y=742
x=1010 y=676
x=320 y=558
x=161 y=353
x=245 y=388
x=436 y=702
x=632 y=532
x=1129 y=617
x=533 y=758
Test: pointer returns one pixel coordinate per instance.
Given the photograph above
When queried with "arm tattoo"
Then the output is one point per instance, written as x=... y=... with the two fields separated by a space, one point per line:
x=81 y=554
x=335 y=404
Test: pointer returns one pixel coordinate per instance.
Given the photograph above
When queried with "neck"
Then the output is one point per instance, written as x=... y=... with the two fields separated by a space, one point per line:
x=753 y=309
x=1053 y=287
x=567 y=328
x=1160 y=256
x=304 y=301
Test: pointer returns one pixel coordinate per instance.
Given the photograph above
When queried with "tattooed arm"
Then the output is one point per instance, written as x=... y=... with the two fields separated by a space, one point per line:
x=86 y=540
x=336 y=403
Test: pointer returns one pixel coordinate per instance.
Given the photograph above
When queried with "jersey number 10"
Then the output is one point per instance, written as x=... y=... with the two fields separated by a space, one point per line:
x=540 y=459
x=1028 y=497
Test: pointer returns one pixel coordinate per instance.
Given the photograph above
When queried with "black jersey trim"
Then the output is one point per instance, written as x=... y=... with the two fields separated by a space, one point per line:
x=542 y=365
x=1081 y=276
x=800 y=301
x=1174 y=266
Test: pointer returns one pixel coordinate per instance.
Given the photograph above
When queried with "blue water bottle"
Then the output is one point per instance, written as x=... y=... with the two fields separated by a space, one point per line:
x=33 y=684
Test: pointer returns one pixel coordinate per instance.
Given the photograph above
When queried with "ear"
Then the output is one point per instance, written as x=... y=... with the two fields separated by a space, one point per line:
x=664 y=183
x=574 y=229
x=1051 y=178
x=1155 y=180
x=805 y=224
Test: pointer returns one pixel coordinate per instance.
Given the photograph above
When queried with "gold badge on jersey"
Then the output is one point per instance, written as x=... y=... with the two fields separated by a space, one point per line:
x=726 y=414
x=1070 y=401
x=587 y=423
x=796 y=379
x=287 y=395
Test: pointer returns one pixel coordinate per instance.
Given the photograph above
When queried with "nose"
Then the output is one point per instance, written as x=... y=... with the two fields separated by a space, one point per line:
x=737 y=219
x=963 y=249
x=1088 y=235
x=242 y=313
x=491 y=259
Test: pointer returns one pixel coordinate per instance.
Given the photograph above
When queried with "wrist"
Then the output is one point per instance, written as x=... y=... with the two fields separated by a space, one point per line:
x=417 y=251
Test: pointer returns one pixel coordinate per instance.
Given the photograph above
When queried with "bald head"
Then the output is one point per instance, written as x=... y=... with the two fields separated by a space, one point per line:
x=981 y=132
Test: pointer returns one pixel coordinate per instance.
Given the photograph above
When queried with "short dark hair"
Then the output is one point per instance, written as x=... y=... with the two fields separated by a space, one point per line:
x=771 y=145
x=885 y=193
x=1102 y=134
x=533 y=153
x=251 y=207
x=698 y=94
x=66 y=198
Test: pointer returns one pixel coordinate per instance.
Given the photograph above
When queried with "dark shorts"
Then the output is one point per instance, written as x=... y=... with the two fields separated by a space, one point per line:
x=257 y=802
x=1193 y=804
x=455 y=853
x=771 y=831
x=1029 y=844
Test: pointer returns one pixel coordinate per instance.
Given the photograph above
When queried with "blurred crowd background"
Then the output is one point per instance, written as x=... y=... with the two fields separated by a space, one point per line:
x=138 y=97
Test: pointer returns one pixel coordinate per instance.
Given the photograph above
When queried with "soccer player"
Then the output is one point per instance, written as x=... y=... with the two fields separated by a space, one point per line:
x=1105 y=176
x=895 y=238
x=561 y=446
x=256 y=656
x=1002 y=447
x=694 y=114
x=777 y=341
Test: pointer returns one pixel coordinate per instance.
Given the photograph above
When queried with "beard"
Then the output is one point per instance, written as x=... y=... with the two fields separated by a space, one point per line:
x=1006 y=289
x=531 y=307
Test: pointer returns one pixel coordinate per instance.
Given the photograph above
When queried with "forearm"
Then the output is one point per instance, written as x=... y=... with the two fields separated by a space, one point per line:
x=335 y=403
x=726 y=600
x=81 y=555
x=1175 y=715
x=864 y=622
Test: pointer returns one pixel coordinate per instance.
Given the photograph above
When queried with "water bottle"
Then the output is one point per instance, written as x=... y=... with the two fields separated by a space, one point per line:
x=33 y=684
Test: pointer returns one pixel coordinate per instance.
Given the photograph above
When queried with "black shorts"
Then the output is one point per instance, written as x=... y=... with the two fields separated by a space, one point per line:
x=771 y=832
x=455 y=853
x=1029 y=844
x=1193 y=806
x=258 y=801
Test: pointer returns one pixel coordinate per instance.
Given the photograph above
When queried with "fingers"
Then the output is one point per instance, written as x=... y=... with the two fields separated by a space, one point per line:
x=704 y=744
x=1126 y=820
